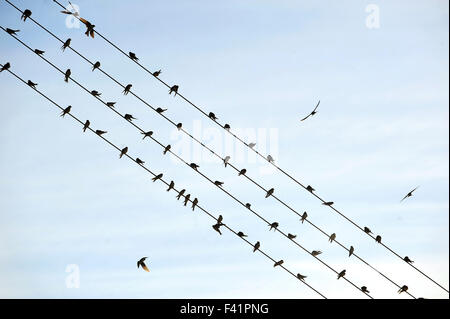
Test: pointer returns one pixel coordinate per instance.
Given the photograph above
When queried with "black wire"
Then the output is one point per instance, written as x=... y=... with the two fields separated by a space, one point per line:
x=262 y=156
x=165 y=182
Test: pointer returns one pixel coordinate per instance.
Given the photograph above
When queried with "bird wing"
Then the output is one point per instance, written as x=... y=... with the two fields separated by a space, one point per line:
x=316 y=106
x=404 y=197
x=414 y=189
x=305 y=117
x=84 y=21
x=144 y=266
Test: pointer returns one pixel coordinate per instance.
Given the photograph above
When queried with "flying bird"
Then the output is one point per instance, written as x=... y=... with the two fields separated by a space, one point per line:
x=123 y=151
x=291 y=236
x=39 y=52
x=12 y=32
x=409 y=194
x=139 y=161
x=32 y=84
x=67 y=75
x=227 y=127
x=179 y=126
x=341 y=274
x=159 y=176
x=312 y=113
x=147 y=134
x=316 y=253
x=186 y=199
x=66 y=44
x=129 y=117
x=274 y=226
x=100 y=132
x=332 y=237
x=212 y=116
x=304 y=216
x=248 y=205
x=350 y=251
x=378 y=239
x=256 y=247
x=166 y=149
x=95 y=66
x=110 y=104
x=26 y=14
x=226 y=160
x=160 y=110
x=409 y=261
x=194 y=203
x=301 y=277
x=66 y=110
x=89 y=27
x=241 y=234
x=95 y=93
x=364 y=289
x=133 y=56
x=270 y=159
x=5 y=67
x=142 y=264
x=174 y=89
x=180 y=193
x=218 y=183
x=242 y=172
x=74 y=12
x=367 y=230
x=171 y=185
x=156 y=73
x=270 y=192
x=278 y=263
x=328 y=203
x=251 y=145
x=86 y=125
x=310 y=189
x=127 y=89
x=194 y=166
x=403 y=289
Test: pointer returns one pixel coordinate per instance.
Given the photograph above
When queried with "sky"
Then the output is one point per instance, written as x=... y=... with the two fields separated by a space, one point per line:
x=74 y=218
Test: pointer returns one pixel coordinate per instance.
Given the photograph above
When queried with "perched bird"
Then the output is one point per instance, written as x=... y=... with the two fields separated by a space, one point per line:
x=409 y=261
x=32 y=84
x=301 y=277
x=100 y=132
x=5 y=67
x=212 y=116
x=270 y=192
x=160 y=110
x=350 y=251
x=403 y=289
x=133 y=56
x=174 y=89
x=180 y=193
x=409 y=194
x=328 y=203
x=95 y=66
x=110 y=104
x=194 y=166
x=86 y=125
x=332 y=237
x=194 y=203
x=241 y=234
x=67 y=75
x=66 y=44
x=123 y=151
x=147 y=134
x=95 y=93
x=256 y=247
x=310 y=189
x=316 y=253
x=139 y=161
x=364 y=289
x=186 y=199
x=291 y=236
x=218 y=183
x=129 y=117
x=142 y=264
x=159 y=176
x=341 y=274
x=367 y=230
x=312 y=113
x=166 y=149
x=378 y=239
x=251 y=145
x=216 y=227
x=226 y=160
x=39 y=52
x=156 y=73
x=26 y=14
x=89 y=27
x=171 y=185
x=12 y=32
x=242 y=172
x=278 y=263
x=227 y=127
x=66 y=110
x=274 y=226
x=219 y=220
x=179 y=126
x=270 y=159
x=304 y=216
x=127 y=89
x=248 y=205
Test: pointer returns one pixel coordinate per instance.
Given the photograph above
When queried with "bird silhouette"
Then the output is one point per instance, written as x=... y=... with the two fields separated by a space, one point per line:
x=127 y=89
x=212 y=116
x=316 y=253
x=186 y=199
x=291 y=236
x=26 y=14
x=174 y=89
x=142 y=264
x=256 y=246
x=304 y=216
x=39 y=52
x=409 y=194
x=123 y=151
x=67 y=75
x=216 y=227
x=100 y=132
x=89 y=27
x=218 y=183
x=95 y=66
x=248 y=205
x=403 y=289
x=194 y=203
x=227 y=127
x=171 y=185
x=139 y=161
x=270 y=159
x=32 y=84
x=341 y=274
x=95 y=93
x=350 y=251
x=251 y=145
x=5 y=67
x=332 y=237
x=194 y=166
x=219 y=220
x=166 y=149
x=310 y=189
x=409 y=261
x=301 y=277
x=147 y=134
x=328 y=203
x=274 y=226
x=312 y=113
x=66 y=110
x=159 y=176
x=226 y=160
x=180 y=193
x=378 y=239
x=278 y=263
x=242 y=172
x=160 y=110
x=133 y=56
x=156 y=73
x=11 y=31
x=241 y=234
x=367 y=230
x=364 y=289
x=66 y=44
x=179 y=126
x=110 y=104
x=270 y=192
x=129 y=117
x=86 y=125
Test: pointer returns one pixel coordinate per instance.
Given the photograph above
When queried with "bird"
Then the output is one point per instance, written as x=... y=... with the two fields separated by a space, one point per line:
x=179 y=126
x=127 y=89
x=301 y=277
x=409 y=194
x=110 y=104
x=95 y=93
x=248 y=205
x=133 y=56
x=180 y=193
x=194 y=203
x=147 y=134
x=310 y=189
x=86 y=125
x=32 y=84
x=218 y=183
x=166 y=149
x=291 y=236
x=227 y=127
x=100 y=132
x=270 y=192
x=256 y=246
x=270 y=159
x=312 y=113
x=241 y=234
x=278 y=263
x=66 y=44
x=5 y=67
x=274 y=225
x=74 y=12
x=67 y=75
x=89 y=27
x=226 y=160
x=139 y=161
x=367 y=230
x=341 y=274
x=316 y=253
x=304 y=216
x=409 y=261
x=160 y=110
x=251 y=145
x=12 y=32
x=142 y=264
x=26 y=14
x=159 y=176
x=242 y=172
x=332 y=237
x=39 y=52
x=403 y=289
x=66 y=110
x=364 y=289
x=129 y=117
x=95 y=66
x=328 y=203
x=378 y=239
x=174 y=89
x=219 y=220
x=194 y=166
x=216 y=227
x=212 y=116
x=123 y=151
x=186 y=199
x=156 y=73
x=350 y=251
x=171 y=185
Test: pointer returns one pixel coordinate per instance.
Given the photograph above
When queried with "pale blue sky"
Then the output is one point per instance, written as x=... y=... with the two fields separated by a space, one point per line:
x=381 y=130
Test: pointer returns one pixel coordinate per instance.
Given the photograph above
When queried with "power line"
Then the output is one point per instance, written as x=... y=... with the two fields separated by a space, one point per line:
x=214 y=153
x=259 y=154
x=181 y=159
x=166 y=183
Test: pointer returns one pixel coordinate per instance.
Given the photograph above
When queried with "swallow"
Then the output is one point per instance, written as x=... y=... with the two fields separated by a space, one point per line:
x=194 y=166
x=166 y=149
x=328 y=203
x=367 y=230
x=12 y=32
x=364 y=289
x=301 y=277
x=66 y=44
x=32 y=84
x=219 y=220
x=86 y=125
x=310 y=189
x=304 y=215
x=251 y=145
x=147 y=134
x=312 y=113
x=212 y=116
x=160 y=110
x=110 y=104
x=179 y=126
x=256 y=246
x=174 y=89
x=142 y=264
x=409 y=261
x=127 y=89
x=156 y=73
x=66 y=110
x=242 y=172
x=378 y=239
x=100 y=132
x=26 y=14
x=403 y=289
x=291 y=236
x=186 y=199
x=241 y=234
x=341 y=274
x=218 y=183
x=129 y=117
x=159 y=176
x=274 y=225
x=123 y=151
x=248 y=205
x=180 y=193
x=95 y=93
x=139 y=161
x=227 y=127
x=216 y=227
x=278 y=263
x=39 y=52
x=67 y=75
x=316 y=253
x=89 y=27
x=226 y=160
x=332 y=237
x=270 y=192
x=270 y=159
x=171 y=186
x=409 y=194
x=350 y=251
x=133 y=56
x=74 y=13
x=95 y=66
x=194 y=203
x=5 y=67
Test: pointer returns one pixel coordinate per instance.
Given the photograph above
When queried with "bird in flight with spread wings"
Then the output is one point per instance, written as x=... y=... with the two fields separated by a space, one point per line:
x=409 y=194
x=142 y=264
x=312 y=113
